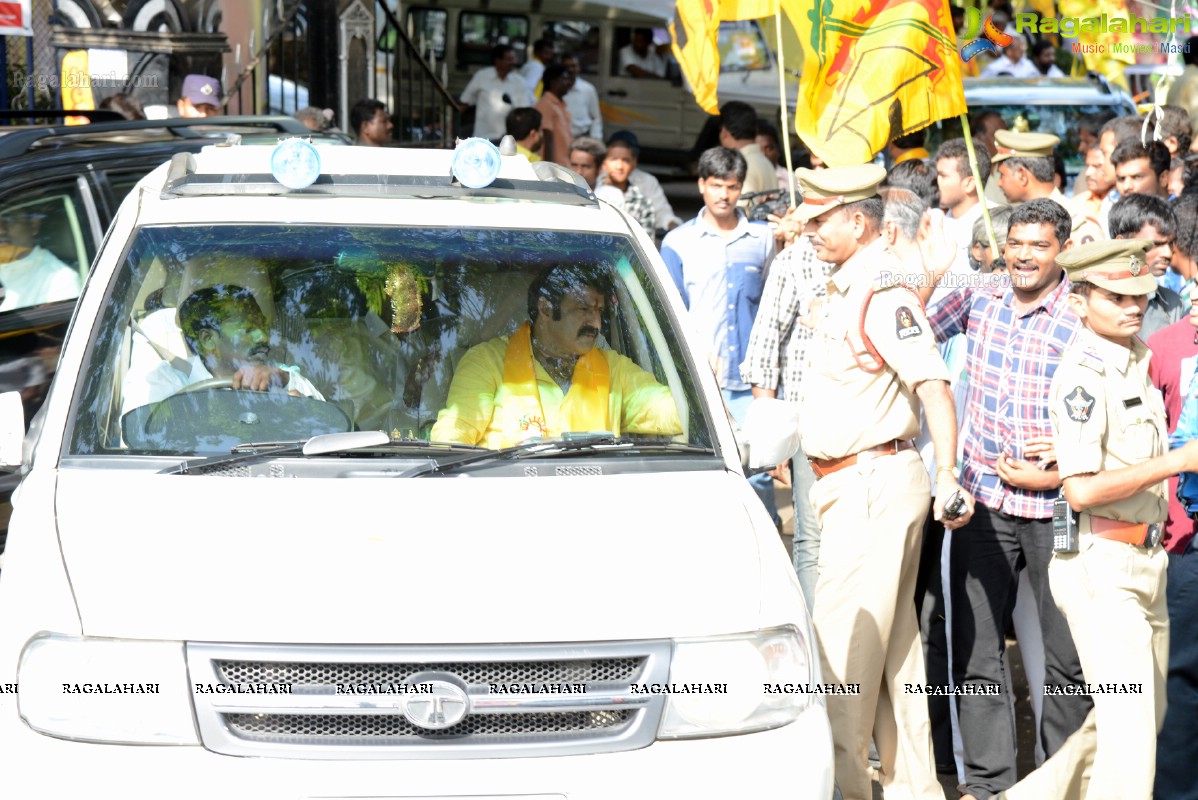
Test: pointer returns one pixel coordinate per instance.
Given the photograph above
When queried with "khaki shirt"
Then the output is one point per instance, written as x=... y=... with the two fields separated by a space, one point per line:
x=1106 y=414
x=844 y=408
x=1085 y=228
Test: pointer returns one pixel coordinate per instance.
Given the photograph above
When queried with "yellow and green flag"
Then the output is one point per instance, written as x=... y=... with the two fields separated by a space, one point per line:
x=874 y=70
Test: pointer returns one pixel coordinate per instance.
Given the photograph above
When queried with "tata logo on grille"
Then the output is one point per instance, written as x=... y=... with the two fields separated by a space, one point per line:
x=445 y=706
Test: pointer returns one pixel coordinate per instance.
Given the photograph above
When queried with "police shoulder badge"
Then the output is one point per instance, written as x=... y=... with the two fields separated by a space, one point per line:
x=1079 y=404
x=905 y=325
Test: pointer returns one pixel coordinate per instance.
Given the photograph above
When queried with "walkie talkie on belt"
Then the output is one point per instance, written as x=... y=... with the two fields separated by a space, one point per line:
x=1064 y=526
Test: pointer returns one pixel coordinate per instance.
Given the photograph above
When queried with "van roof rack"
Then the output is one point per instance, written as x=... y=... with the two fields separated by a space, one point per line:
x=19 y=141
x=182 y=180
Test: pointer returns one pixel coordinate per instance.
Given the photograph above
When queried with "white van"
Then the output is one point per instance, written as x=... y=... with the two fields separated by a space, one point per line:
x=311 y=592
x=662 y=112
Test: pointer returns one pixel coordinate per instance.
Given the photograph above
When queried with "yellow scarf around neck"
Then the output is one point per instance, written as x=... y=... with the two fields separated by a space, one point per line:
x=585 y=405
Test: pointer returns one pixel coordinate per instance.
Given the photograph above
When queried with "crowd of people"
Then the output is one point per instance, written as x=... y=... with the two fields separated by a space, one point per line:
x=1062 y=363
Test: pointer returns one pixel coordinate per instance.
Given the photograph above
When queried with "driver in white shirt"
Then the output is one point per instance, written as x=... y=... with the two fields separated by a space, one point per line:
x=226 y=332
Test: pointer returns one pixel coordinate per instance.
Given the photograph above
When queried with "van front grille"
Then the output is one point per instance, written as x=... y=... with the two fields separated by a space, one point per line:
x=603 y=670
x=360 y=702
x=394 y=729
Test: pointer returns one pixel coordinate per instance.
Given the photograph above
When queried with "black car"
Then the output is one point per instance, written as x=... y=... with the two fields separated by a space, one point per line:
x=60 y=186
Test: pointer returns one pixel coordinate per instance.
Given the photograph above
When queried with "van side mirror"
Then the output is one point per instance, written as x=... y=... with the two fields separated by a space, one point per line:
x=12 y=429
x=771 y=432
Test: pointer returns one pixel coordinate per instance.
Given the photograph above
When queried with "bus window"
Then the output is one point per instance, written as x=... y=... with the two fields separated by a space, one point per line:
x=580 y=39
x=431 y=25
x=479 y=31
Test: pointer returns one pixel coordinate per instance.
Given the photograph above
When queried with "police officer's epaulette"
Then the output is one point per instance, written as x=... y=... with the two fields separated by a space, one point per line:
x=1090 y=358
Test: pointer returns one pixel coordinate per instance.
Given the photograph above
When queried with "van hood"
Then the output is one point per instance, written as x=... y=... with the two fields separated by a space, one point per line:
x=429 y=560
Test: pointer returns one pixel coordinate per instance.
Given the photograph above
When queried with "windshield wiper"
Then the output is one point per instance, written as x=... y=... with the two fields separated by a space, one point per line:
x=569 y=443
x=319 y=445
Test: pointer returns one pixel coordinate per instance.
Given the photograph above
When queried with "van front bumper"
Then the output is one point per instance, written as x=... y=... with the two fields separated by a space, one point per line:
x=793 y=762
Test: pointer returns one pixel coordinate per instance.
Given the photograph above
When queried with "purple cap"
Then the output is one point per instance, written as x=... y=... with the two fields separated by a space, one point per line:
x=202 y=90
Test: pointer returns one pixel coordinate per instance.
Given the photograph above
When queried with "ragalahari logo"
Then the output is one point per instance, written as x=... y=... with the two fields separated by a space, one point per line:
x=991 y=41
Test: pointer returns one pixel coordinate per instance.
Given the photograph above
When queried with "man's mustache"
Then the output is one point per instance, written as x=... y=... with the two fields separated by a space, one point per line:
x=588 y=330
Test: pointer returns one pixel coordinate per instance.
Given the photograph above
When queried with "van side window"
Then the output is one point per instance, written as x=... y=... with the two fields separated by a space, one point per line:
x=637 y=54
x=431 y=25
x=46 y=245
x=479 y=31
x=577 y=38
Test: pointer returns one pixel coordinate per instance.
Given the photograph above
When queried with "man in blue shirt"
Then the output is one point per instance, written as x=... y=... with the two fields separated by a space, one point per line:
x=718 y=261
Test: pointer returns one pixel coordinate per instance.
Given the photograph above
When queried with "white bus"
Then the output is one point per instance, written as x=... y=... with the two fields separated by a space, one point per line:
x=662 y=112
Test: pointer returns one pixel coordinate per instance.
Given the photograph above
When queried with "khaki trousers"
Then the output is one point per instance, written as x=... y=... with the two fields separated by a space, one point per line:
x=871 y=518
x=1113 y=596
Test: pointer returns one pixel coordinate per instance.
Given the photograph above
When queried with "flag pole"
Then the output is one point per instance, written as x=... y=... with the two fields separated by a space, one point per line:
x=981 y=187
x=790 y=170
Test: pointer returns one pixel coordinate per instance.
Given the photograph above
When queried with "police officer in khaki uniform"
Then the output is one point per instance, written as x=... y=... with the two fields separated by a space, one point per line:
x=1022 y=179
x=1110 y=438
x=871 y=365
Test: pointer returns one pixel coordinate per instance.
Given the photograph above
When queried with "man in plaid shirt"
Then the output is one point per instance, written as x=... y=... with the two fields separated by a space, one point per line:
x=773 y=366
x=1016 y=331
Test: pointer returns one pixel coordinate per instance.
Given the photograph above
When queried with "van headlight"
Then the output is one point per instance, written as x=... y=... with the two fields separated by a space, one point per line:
x=106 y=690
x=726 y=684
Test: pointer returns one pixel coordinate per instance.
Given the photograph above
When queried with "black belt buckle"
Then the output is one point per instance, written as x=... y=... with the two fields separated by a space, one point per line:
x=1153 y=537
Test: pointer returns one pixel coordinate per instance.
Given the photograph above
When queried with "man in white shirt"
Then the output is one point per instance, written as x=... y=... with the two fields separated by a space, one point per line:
x=649 y=186
x=543 y=53
x=1013 y=62
x=32 y=275
x=582 y=101
x=494 y=91
x=959 y=191
x=639 y=59
x=1044 y=59
x=225 y=331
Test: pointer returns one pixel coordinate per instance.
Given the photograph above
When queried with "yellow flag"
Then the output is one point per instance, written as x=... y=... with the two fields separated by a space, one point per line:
x=694 y=38
x=1102 y=59
x=874 y=70
x=747 y=9
x=79 y=94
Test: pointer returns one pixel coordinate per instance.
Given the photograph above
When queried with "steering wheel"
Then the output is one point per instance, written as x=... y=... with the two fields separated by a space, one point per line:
x=207 y=383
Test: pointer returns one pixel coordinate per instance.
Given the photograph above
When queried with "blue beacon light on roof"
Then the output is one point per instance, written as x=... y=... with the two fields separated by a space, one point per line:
x=295 y=164
x=476 y=163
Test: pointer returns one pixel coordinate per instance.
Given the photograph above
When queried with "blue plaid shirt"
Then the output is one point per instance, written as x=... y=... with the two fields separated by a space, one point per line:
x=1010 y=361
x=721 y=279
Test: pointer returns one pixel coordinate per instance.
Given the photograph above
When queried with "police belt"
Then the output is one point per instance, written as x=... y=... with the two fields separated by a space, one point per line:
x=1141 y=534
x=822 y=467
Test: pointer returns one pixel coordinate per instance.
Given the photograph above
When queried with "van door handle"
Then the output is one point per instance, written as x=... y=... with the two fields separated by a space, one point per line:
x=617 y=93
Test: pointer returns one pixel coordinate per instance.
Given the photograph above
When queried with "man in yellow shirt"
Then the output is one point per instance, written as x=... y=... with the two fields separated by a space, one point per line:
x=548 y=377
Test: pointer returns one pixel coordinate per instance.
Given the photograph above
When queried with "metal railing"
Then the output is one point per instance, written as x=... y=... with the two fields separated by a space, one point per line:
x=426 y=113
x=282 y=58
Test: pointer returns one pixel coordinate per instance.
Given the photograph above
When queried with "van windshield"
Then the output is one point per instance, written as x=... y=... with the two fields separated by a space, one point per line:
x=219 y=335
x=742 y=47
